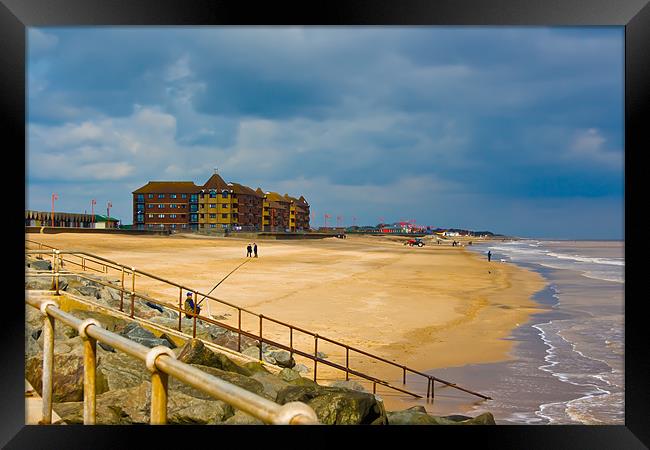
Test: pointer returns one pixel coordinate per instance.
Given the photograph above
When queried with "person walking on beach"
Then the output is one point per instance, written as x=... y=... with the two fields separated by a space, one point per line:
x=489 y=255
x=255 y=249
x=249 y=251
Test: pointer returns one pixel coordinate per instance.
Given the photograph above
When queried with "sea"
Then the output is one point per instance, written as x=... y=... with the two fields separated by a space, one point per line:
x=567 y=364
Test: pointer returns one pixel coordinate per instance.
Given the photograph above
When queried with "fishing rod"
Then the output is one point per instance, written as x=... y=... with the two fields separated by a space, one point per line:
x=222 y=280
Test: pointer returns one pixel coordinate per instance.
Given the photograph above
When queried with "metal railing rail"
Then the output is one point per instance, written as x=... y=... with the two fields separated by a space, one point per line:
x=161 y=362
x=131 y=271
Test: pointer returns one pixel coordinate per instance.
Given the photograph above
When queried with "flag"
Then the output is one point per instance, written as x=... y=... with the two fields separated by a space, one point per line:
x=55 y=197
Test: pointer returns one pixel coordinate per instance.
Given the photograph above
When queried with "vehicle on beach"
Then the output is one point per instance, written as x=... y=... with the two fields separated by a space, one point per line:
x=417 y=241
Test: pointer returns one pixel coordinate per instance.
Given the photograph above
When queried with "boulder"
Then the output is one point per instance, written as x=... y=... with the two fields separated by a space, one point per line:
x=122 y=371
x=111 y=323
x=283 y=358
x=289 y=375
x=255 y=367
x=352 y=385
x=89 y=291
x=254 y=352
x=241 y=418
x=134 y=330
x=195 y=352
x=133 y=406
x=411 y=416
x=482 y=419
x=38 y=264
x=271 y=383
x=170 y=341
x=335 y=406
x=301 y=368
x=40 y=283
x=67 y=383
x=242 y=381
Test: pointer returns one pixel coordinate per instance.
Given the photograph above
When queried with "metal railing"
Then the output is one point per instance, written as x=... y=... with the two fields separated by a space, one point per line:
x=161 y=362
x=105 y=264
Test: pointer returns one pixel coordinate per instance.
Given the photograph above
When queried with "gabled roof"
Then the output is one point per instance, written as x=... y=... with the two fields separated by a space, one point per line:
x=216 y=182
x=275 y=197
x=163 y=187
x=242 y=189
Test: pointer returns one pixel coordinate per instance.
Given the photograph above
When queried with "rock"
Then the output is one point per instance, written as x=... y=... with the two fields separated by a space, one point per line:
x=241 y=418
x=411 y=416
x=133 y=406
x=254 y=367
x=335 y=405
x=133 y=330
x=242 y=381
x=167 y=338
x=321 y=355
x=89 y=291
x=37 y=264
x=483 y=419
x=154 y=306
x=195 y=352
x=152 y=342
x=272 y=384
x=283 y=358
x=40 y=283
x=352 y=385
x=106 y=347
x=111 y=323
x=254 y=352
x=122 y=371
x=67 y=383
x=31 y=346
x=301 y=368
x=455 y=417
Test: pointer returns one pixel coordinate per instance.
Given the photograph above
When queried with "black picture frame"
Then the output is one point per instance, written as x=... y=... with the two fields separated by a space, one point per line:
x=16 y=15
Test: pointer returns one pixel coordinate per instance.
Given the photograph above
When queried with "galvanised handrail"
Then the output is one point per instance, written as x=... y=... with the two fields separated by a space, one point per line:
x=430 y=378
x=161 y=362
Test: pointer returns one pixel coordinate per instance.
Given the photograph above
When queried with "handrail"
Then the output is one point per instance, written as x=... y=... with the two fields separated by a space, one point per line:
x=162 y=363
x=430 y=378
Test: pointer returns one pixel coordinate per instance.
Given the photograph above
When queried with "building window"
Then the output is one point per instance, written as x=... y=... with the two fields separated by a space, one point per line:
x=150 y=205
x=183 y=205
x=224 y=216
x=224 y=194
x=149 y=195
x=202 y=216
x=184 y=225
x=150 y=225
x=173 y=225
x=150 y=216
x=161 y=195
x=213 y=225
x=194 y=198
x=213 y=205
x=213 y=194
x=140 y=218
x=173 y=205
x=140 y=197
x=183 y=195
x=213 y=216
x=194 y=217
x=172 y=216
x=194 y=208
x=172 y=195
x=225 y=205
x=161 y=216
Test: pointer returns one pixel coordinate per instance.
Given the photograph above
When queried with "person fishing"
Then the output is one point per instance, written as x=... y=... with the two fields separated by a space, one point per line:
x=249 y=251
x=255 y=249
x=189 y=306
x=489 y=254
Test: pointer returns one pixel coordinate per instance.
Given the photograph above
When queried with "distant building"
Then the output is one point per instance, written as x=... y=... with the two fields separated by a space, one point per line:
x=68 y=220
x=218 y=205
x=105 y=221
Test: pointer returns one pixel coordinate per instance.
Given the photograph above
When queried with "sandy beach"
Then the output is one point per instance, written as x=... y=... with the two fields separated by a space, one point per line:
x=426 y=308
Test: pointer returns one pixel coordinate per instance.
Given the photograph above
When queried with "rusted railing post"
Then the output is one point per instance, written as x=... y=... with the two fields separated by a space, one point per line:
x=404 y=375
x=315 y=355
x=159 y=385
x=261 y=317
x=347 y=363
x=374 y=387
x=90 y=368
x=196 y=297
x=132 y=291
x=121 y=291
x=239 y=329
x=432 y=389
x=290 y=342
x=180 y=309
x=56 y=272
x=48 y=362
x=83 y=264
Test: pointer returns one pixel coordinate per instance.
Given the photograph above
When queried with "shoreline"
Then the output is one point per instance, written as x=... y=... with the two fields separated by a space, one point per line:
x=372 y=293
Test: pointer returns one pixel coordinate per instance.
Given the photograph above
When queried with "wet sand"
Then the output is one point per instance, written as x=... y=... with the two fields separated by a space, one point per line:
x=426 y=308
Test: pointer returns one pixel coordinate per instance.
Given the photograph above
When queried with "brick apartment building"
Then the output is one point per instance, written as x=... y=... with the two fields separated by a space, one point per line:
x=217 y=205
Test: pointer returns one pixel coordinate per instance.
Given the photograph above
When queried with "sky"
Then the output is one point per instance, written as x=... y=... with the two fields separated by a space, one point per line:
x=515 y=130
